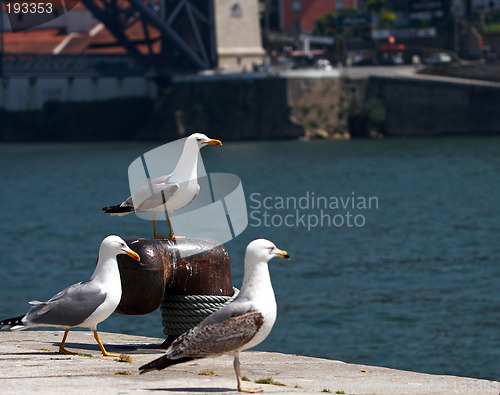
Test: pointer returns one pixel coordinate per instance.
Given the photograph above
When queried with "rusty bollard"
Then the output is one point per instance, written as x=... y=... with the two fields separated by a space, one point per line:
x=172 y=272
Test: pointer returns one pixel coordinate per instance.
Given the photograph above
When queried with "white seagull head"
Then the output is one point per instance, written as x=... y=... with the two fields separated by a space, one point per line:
x=115 y=245
x=202 y=140
x=262 y=250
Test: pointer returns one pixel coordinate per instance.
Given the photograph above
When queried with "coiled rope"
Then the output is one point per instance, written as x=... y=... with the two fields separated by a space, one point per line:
x=180 y=313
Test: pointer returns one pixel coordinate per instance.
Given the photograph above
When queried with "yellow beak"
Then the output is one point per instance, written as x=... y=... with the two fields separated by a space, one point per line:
x=134 y=255
x=214 y=142
x=283 y=254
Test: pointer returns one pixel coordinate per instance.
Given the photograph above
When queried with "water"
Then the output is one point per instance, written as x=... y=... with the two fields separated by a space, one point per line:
x=415 y=287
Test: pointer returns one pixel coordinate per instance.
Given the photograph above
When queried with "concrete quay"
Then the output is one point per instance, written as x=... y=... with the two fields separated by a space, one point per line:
x=29 y=363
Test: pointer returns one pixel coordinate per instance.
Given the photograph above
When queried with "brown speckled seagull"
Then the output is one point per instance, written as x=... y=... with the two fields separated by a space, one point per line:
x=238 y=326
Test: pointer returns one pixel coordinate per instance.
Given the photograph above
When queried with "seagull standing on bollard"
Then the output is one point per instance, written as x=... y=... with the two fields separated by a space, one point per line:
x=84 y=304
x=238 y=326
x=171 y=192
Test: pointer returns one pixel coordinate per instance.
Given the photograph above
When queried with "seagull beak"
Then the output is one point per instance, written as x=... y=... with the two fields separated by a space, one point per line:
x=282 y=254
x=214 y=142
x=134 y=255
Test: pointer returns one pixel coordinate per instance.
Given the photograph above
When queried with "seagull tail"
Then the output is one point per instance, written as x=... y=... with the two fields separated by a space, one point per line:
x=118 y=210
x=12 y=323
x=162 y=363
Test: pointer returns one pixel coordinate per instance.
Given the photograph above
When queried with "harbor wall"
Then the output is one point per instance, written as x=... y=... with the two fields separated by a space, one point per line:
x=245 y=106
x=251 y=108
x=327 y=107
x=74 y=108
x=229 y=108
x=32 y=93
x=424 y=107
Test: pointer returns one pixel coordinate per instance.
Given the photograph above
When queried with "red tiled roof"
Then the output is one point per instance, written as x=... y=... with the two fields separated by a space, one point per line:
x=75 y=44
x=32 y=41
x=100 y=41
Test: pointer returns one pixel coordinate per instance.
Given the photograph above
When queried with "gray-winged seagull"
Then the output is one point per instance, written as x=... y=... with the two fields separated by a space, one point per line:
x=171 y=192
x=238 y=326
x=84 y=304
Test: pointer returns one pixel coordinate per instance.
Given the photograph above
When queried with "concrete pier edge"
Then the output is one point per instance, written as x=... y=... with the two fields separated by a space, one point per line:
x=30 y=363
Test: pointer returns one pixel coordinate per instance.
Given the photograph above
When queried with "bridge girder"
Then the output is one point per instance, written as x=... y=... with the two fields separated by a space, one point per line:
x=186 y=27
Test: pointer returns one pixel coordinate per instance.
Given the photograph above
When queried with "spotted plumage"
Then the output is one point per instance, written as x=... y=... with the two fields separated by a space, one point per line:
x=238 y=326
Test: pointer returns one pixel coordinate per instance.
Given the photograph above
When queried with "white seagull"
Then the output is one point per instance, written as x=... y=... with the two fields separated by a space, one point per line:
x=171 y=192
x=238 y=326
x=84 y=304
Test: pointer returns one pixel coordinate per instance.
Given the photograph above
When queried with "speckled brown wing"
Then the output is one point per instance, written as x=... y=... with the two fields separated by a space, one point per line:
x=218 y=338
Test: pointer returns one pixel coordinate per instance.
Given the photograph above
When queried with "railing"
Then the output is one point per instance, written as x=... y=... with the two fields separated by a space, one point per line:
x=38 y=65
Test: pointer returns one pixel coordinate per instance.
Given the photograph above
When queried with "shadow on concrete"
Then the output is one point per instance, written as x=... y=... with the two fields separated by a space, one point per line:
x=201 y=390
x=112 y=348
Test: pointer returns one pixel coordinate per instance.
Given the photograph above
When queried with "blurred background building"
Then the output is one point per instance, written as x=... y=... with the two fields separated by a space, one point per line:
x=69 y=51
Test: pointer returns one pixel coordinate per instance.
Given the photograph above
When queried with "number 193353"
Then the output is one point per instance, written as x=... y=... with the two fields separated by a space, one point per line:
x=29 y=8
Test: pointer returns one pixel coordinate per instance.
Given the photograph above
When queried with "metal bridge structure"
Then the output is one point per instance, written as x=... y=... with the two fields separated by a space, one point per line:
x=183 y=40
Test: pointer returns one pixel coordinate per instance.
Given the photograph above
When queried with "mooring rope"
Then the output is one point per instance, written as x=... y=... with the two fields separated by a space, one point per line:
x=180 y=313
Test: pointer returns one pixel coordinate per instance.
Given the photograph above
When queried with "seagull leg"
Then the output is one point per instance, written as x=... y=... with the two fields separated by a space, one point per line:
x=170 y=227
x=104 y=352
x=156 y=234
x=172 y=236
x=241 y=388
x=62 y=350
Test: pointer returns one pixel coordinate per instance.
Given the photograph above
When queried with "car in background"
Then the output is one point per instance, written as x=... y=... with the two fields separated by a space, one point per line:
x=323 y=64
x=438 y=58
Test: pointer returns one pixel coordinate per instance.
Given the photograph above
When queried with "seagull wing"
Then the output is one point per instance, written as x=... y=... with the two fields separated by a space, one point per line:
x=70 y=307
x=152 y=195
x=217 y=338
x=212 y=339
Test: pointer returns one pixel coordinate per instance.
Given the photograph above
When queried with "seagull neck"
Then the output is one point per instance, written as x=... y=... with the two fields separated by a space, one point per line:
x=107 y=267
x=257 y=281
x=187 y=166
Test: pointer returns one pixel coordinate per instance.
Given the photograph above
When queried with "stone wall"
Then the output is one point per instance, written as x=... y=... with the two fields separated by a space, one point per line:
x=256 y=108
x=259 y=106
x=319 y=105
x=32 y=93
x=231 y=109
x=484 y=72
x=106 y=120
x=429 y=107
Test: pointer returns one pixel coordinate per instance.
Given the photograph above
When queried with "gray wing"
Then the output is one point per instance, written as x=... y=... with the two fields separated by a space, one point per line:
x=218 y=338
x=152 y=195
x=70 y=307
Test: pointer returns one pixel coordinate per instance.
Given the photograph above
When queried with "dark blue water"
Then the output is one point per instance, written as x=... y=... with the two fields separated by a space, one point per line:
x=413 y=284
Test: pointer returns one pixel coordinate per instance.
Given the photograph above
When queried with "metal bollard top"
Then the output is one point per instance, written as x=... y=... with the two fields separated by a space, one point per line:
x=180 y=266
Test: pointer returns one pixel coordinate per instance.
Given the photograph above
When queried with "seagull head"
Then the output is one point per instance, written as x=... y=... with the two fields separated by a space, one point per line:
x=202 y=140
x=114 y=245
x=264 y=250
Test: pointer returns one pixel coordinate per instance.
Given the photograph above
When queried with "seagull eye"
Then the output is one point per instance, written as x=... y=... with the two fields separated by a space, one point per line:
x=198 y=139
x=122 y=244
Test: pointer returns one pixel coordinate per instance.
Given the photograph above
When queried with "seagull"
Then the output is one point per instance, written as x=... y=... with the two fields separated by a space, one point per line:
x=238 y=326
x=171 y=192
x=84 y=304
